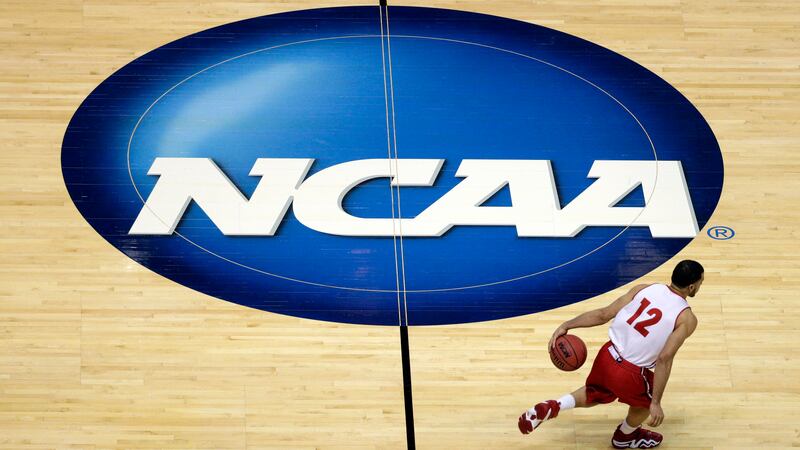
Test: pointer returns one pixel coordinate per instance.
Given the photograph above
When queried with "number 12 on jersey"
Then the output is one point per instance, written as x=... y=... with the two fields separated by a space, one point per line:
x=654 y=313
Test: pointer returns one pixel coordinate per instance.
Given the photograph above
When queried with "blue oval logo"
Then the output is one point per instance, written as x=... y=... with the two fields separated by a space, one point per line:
x=420 y=167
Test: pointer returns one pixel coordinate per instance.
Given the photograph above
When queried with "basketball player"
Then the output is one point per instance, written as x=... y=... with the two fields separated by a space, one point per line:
x=650 y=324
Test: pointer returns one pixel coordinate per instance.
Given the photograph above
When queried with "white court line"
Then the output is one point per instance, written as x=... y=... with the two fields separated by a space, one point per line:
x=397 y=167
x=391 y=188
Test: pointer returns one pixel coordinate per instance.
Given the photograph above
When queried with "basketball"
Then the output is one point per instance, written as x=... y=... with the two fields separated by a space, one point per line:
x=568 y=353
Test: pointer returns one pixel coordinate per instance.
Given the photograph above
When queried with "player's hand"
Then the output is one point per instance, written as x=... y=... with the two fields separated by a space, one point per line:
x=560 y=331
x=656 y=414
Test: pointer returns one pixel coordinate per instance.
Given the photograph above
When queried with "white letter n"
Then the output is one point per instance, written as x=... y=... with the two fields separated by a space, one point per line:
x=185 y=179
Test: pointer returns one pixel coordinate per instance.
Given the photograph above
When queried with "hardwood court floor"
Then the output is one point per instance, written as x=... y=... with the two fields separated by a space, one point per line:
x=98 y=352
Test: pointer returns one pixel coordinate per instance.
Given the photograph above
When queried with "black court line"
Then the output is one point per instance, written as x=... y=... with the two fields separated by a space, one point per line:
x=409 y=402
x=395 y=192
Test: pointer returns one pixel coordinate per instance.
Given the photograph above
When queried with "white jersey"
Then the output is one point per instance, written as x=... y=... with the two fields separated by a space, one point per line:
x=640 y=329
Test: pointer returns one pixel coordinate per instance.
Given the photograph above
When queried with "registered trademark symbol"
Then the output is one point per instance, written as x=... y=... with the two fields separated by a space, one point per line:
x=721 y=233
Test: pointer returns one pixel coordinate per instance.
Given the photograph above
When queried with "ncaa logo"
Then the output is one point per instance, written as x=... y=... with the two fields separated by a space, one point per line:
x=308 y=164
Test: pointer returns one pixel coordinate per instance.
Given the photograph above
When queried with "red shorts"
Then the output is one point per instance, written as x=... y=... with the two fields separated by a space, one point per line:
x=611 y=379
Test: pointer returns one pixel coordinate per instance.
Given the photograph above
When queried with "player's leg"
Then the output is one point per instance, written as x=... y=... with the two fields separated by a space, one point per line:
x=590 y=394
x=630 y=434
x=636 y=416
x=580 y=397
x=533 y=417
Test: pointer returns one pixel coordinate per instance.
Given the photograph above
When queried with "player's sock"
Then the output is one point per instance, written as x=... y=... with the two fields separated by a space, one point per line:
x=567 y=402
x=625 y=428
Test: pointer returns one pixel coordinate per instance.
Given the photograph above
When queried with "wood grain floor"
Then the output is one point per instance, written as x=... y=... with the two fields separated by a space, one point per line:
x=98 y=352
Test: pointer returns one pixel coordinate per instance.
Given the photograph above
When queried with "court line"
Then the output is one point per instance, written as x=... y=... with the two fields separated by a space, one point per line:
x=396 y=166
x=391 y=188
x=405 y=352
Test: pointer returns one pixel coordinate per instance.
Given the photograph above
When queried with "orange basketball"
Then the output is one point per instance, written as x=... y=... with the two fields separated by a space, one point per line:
x=568 y=353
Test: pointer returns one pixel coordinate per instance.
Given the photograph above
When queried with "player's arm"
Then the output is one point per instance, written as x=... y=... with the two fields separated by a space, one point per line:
x=597 y=316
x=684 y=327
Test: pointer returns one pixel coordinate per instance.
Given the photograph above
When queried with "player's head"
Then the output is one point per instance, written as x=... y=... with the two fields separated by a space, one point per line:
x=688 y=276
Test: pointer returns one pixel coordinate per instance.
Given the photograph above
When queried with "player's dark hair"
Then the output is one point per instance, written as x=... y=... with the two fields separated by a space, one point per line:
x=686 y=273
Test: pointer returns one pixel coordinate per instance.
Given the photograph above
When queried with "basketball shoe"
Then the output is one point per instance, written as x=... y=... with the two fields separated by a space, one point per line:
x=640 y=438
x=542 y=411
